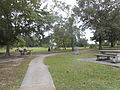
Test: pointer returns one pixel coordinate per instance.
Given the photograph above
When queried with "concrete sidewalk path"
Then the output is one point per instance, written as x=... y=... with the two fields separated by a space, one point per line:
x=38 y=76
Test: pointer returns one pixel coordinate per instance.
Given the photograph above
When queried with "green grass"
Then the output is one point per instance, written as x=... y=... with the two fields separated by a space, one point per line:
x=11 y=76
x=41 y=49
x=2 y=50
x=34 y=50
x=70 y=49
x=71 y=74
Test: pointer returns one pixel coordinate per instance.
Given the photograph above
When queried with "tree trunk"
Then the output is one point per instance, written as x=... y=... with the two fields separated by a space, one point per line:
x=72 y=44
x=49 y=49
x=72 y=47
x=112 y=44
x=100 y=44
x=65 y=48
x=64 y=45
x=7 y=50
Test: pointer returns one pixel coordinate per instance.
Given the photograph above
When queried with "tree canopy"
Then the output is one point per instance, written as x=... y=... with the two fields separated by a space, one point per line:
x=101 y=16
x=21 y=17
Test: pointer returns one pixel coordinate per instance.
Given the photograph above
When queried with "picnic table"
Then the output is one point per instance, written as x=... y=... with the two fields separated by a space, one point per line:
x=110 y=51
x=113 y=55
x=24 y=51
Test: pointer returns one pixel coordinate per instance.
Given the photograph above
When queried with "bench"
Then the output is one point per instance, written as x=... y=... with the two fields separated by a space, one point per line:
x=24 y=51
x=105 y=56
x=21 y=52
x=113 y=55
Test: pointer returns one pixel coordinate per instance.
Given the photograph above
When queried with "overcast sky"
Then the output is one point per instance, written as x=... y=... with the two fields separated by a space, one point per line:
x=88 y=35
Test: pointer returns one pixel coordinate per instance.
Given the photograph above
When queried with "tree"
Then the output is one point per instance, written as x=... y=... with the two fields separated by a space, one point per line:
x=15 y=19
x=21 y=18
x=66 y=32
x=72 y=30
x=82 y=42
x=102 y=16
x=60 y=36
x=99 y=36
x=66 y=27
x=20 y=43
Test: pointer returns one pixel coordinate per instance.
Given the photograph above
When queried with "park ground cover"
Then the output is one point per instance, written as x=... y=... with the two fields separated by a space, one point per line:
x=44 y=49
x=71 y=74
x=37 y=49
x=34 y=49
x=12 y=73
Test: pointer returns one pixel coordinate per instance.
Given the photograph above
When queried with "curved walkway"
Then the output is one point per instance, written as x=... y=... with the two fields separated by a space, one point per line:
x=38 y=76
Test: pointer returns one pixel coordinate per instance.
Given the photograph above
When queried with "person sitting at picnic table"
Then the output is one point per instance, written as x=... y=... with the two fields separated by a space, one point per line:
x=24 y=51
x=49 y=49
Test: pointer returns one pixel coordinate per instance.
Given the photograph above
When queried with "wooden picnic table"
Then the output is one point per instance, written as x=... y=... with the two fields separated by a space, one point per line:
x=110 y=51
x=24 y=51
x=113 y=55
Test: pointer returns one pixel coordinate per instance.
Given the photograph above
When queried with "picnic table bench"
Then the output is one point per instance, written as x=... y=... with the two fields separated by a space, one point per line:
x=24 y=51
x=113 y=55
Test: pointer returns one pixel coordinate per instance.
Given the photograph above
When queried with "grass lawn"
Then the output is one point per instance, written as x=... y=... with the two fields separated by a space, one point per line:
x=2 y=50
x=12 y=74
x=34 y=49
x=40 y=49
x=70 y=49
x=71 y=74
